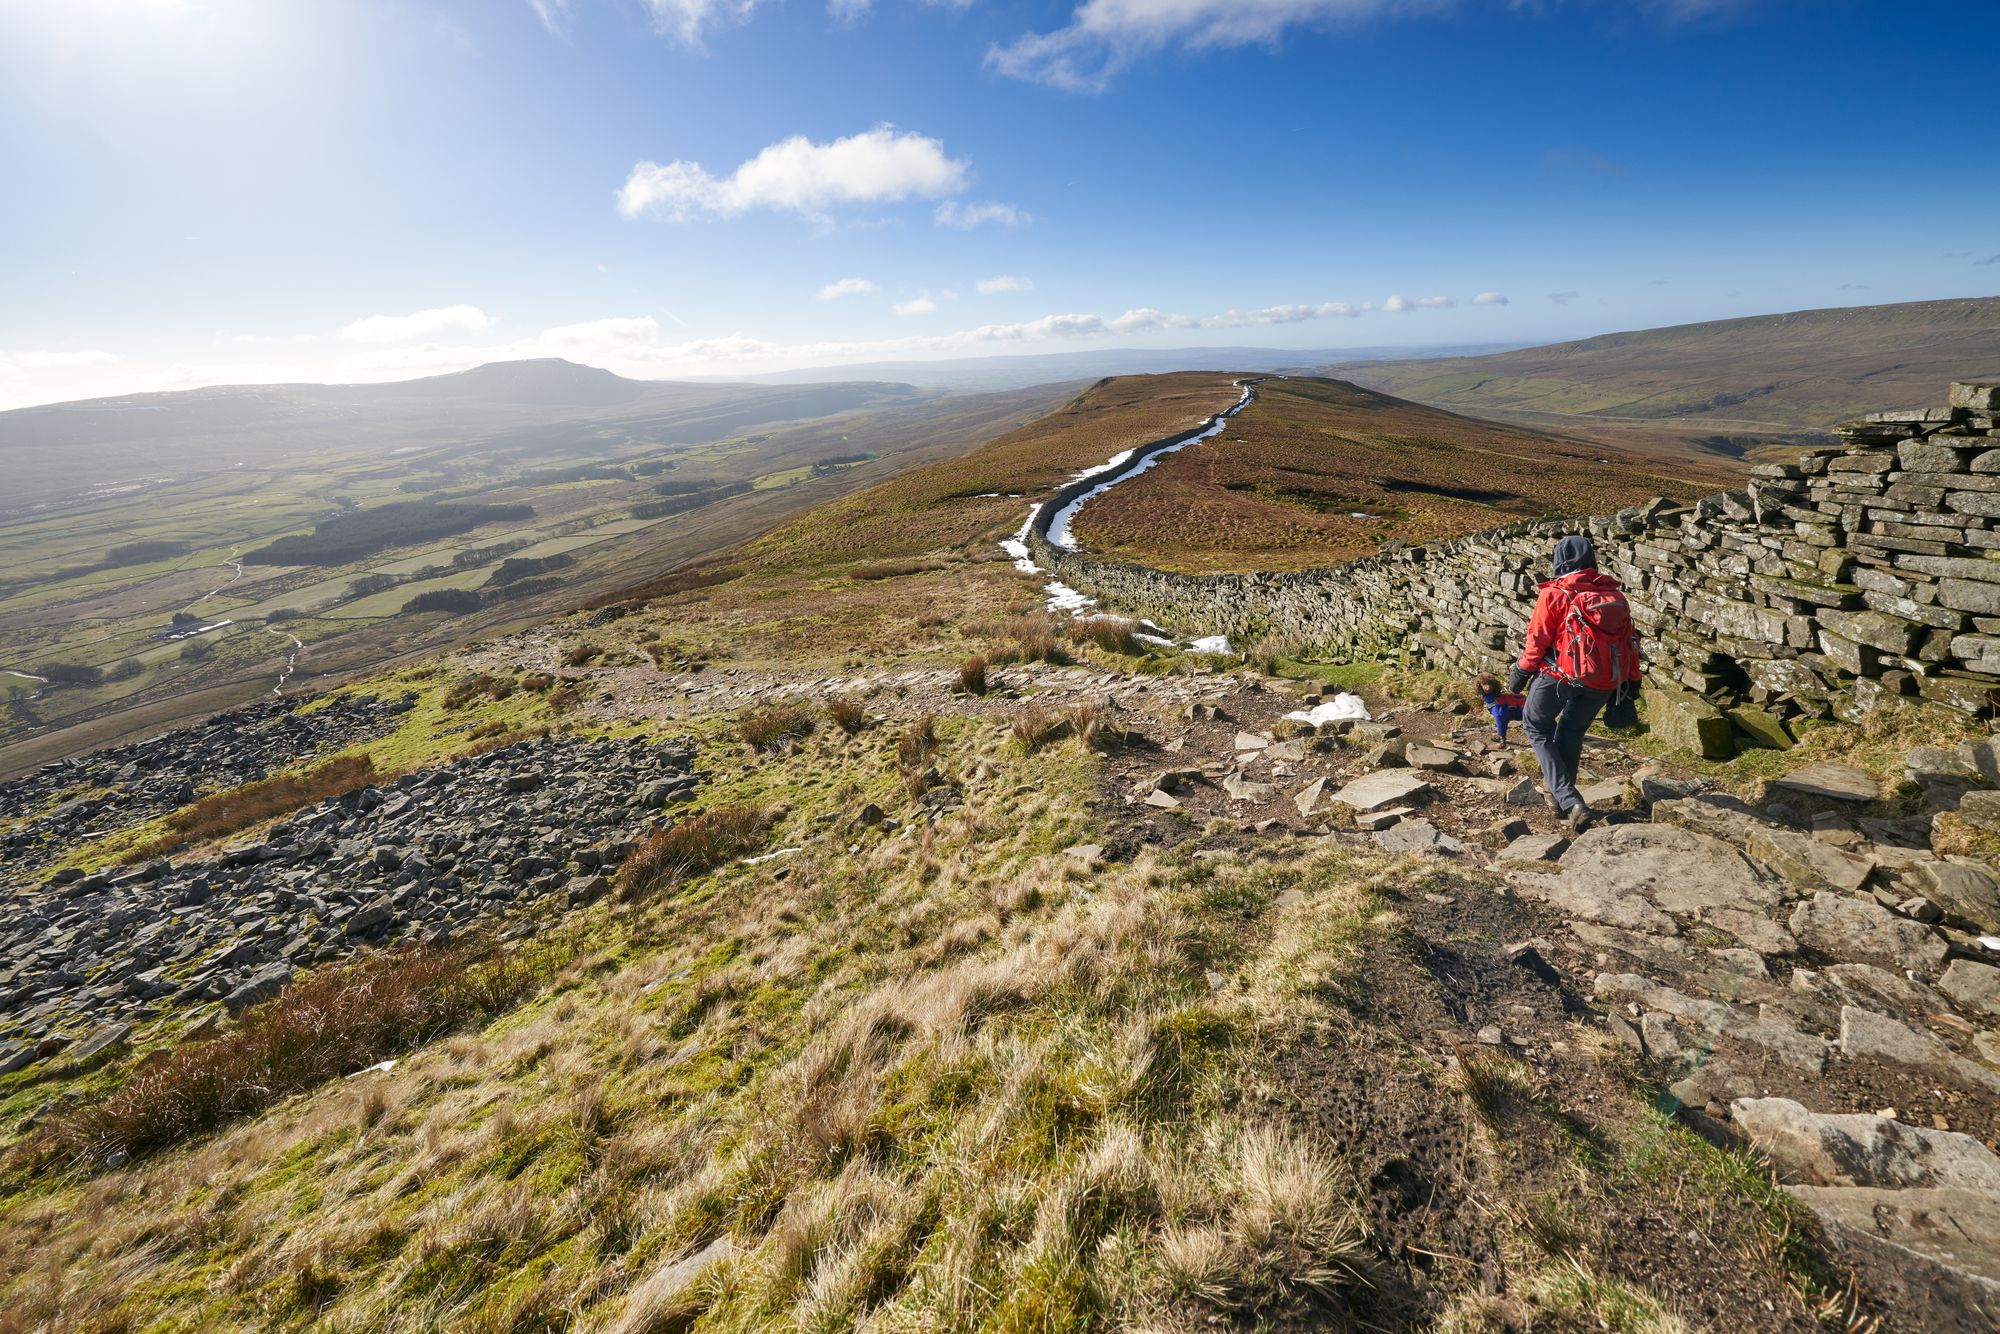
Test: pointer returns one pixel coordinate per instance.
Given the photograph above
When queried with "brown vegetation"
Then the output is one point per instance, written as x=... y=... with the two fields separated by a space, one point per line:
x=1113 y=634
x=326 y=1023
x=1320 y=471
x=495 y=688
x=847 y=713
x=223 y=813
x=697 y=844
x=972 y=675
x=893 y=569
x=1034 y=727
x=1030 y=637
x=774 y=727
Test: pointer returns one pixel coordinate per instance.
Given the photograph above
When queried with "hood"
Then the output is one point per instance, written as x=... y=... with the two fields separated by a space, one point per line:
x=1591 y=578
x=1573 y=553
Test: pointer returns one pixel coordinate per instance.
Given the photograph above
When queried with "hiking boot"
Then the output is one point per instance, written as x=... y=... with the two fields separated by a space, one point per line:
x=1580 y=818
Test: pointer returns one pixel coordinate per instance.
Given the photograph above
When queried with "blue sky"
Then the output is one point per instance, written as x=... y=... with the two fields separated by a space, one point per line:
x=213 y=191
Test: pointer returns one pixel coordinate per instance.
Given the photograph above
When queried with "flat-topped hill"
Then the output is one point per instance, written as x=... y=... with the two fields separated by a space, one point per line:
x=1808 y=368
x=1318 y=470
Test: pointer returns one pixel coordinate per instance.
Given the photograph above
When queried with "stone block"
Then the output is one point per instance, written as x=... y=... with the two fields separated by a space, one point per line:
x=1688 y=722
x=1876 y=629
x=1762 y=726
x=1976 y=395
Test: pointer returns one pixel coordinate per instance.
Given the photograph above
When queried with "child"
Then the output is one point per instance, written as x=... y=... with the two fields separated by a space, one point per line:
x=1504 y=707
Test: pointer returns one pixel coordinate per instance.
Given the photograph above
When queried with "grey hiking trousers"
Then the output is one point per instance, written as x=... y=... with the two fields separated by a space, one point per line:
x=1555 y=718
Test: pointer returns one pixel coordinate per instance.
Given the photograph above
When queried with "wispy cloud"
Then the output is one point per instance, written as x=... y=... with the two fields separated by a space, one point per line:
x=1990 y=259
x=1564 y=298
x=1490 y=299
x=965 y=217
x=1104 y=36
x=1005 y=282
x=1437 y=303
x=687 y=20
x=554 y=14
x=417 y=324
x=796 y=175
x=916 y=305
x=846 y=287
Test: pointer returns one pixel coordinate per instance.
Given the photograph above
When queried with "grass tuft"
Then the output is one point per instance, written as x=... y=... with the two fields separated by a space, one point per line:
x=847 y=713
x=697 y=844
x=972 y=675
x=1035 y=727
x=775 y=727
x=1113 y=634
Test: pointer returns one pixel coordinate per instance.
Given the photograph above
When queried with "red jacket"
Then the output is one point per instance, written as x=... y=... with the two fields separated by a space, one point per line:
x=1552 y=605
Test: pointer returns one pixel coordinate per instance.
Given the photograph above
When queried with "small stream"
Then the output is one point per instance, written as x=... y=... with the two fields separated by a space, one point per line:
x=291 y=659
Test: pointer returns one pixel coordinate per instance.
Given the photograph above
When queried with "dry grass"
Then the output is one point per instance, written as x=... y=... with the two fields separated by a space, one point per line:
x=916 y=747
x=893 y=569
x=1113 y=634
x=582 y=653
x=223 y=813
x=1035 y=726
x=323 y=1024
x=972 y=675
x=1280 y=1232
x=847 y=713
x=495 y=688
x=1031 y=637
x=1319 y=471
x=697 y=844
x=775 y=727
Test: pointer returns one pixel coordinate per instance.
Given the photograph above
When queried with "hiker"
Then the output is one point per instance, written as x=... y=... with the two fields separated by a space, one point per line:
x=1581 y=652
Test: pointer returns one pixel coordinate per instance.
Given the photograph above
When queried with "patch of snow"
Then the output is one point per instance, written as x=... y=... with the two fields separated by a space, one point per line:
x=1341 y=707
x=1059 y=533
x=1212 y=644
x=1064 y=598
x=379 y=1068
x=769 y=856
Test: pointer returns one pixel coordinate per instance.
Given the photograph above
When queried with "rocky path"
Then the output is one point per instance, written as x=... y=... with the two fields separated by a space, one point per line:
x=1799 y=973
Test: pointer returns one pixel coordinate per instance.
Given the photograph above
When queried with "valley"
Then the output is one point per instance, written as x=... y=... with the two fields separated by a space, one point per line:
x=213 y=587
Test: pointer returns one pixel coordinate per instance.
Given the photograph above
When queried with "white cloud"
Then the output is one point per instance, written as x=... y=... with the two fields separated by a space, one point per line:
x=795 y=175
x=846 y=287
x=1005 y=282
x=965 y=217
x=1437 y=303
x=15 y=363
x=554 y=14
x=417 y=324
x=1292 y=314
x=1396 y=305
x=686 y=19
x=917 y=305
x=1490 y=299
x=1104 y=36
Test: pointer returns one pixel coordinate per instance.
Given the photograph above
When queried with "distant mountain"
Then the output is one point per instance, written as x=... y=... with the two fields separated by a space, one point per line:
x=544 y=408
x=1805 y=370
x=1014 y=372
x=544 y=381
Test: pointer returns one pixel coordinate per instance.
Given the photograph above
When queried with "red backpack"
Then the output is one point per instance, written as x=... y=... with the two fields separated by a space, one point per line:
x=1595 y=645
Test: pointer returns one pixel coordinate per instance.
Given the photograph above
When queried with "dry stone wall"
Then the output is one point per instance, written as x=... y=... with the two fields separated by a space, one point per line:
x=1865 y=571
